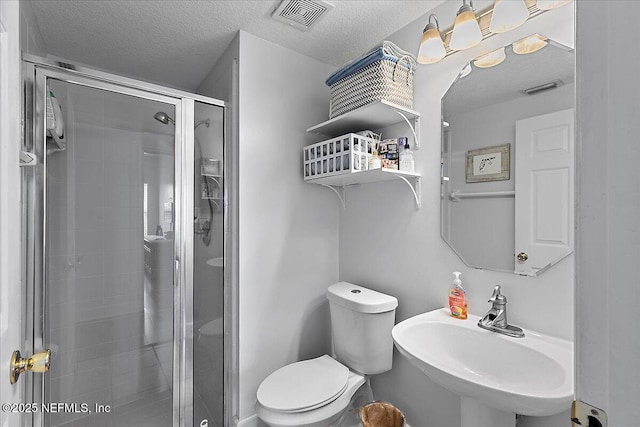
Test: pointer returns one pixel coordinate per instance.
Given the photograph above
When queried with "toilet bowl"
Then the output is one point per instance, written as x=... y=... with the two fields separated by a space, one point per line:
x=311 y=393
x=318 y=392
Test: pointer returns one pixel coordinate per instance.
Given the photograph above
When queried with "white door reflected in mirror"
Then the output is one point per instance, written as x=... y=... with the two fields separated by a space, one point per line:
x=544 y=190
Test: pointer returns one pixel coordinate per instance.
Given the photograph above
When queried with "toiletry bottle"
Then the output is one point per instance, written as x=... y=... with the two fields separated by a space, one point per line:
x=406 y=159
x=458 y=298
x=374 y=160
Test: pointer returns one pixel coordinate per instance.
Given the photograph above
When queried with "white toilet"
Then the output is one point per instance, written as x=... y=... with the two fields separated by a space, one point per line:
x=315 y=392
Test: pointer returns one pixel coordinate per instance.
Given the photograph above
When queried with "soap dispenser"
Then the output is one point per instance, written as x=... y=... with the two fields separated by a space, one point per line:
x=407 y=163
x=458 y=298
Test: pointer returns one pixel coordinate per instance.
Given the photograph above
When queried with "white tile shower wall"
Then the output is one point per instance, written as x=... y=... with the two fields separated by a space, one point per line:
x=415 y=264
x=95 y=240
x=103 y=225
x=158 y=175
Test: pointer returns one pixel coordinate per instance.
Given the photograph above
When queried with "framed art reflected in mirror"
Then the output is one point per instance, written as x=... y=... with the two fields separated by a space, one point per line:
x=488 y=164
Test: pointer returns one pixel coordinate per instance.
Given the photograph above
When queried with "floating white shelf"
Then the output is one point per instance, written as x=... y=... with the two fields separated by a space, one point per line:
x=363 y=177
x=369 y=176
x=376 y=115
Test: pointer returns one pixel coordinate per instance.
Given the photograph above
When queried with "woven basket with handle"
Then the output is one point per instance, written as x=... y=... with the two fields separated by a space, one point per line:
x=381 y=80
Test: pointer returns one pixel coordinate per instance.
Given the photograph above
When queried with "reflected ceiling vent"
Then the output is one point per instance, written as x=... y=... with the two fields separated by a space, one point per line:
x=301 y=14
x=543 y=87
x=66 y=65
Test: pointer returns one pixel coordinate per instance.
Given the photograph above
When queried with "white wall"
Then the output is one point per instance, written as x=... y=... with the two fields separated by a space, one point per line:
x=607 y=289
x=31 y=40
x=408 y=259
x=219 y=82
x=288 y=230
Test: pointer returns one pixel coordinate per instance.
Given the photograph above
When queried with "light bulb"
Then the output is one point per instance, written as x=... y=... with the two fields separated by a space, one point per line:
x=551 y=4
x=530 y=44
x=490 y=59
x=507 y=15
x=466 y=31
x=431 y=46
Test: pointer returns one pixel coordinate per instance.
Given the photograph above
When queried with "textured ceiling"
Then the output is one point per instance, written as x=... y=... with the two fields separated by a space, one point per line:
x=506 y=81
x=178 y=42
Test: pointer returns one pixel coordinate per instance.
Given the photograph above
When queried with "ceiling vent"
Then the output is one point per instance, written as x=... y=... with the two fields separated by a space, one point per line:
x=543 y=87
x=301 y=14
x=66 y=65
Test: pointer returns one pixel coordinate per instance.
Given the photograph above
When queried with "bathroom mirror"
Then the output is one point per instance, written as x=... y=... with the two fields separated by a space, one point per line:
x=507 y=183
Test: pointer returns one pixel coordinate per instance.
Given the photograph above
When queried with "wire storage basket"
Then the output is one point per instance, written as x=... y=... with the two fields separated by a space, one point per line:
x=344 y=154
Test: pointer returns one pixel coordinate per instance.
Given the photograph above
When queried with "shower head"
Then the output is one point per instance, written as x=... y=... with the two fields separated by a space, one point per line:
x=163 y=117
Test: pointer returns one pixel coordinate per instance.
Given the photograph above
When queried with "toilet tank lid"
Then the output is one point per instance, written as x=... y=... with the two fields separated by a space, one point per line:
x=360 y=299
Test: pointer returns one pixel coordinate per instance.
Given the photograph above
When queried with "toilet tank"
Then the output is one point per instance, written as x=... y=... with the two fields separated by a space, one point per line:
x=361 y=323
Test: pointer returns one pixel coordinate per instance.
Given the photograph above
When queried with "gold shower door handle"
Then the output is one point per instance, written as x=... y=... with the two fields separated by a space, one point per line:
x=39 y=362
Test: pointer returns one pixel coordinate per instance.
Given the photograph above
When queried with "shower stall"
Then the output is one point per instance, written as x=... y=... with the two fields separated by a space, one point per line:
x=125 y=220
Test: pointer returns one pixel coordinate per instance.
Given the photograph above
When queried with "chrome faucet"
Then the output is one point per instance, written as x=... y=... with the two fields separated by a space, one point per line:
x=496 y=318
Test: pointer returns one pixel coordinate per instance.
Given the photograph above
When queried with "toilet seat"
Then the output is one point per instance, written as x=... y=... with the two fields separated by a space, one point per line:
x=304 y=386
x=323 y=416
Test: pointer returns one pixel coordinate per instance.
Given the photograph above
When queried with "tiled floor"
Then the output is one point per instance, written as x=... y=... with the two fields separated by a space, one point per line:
x=136 y=385
x=125 y=362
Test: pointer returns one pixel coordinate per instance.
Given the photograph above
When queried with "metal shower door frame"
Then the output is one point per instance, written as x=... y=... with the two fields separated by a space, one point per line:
x=36 y=72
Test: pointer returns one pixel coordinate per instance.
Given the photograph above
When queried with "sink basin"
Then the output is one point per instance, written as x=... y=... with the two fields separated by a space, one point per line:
x=529 y=376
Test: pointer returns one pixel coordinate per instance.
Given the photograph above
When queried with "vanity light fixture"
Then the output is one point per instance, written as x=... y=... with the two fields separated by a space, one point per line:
x=491 y=59
x=431 y=47
x=470 y=28
x=507 y=15
x=466 y=31
x=551 y=4
x=530 y=44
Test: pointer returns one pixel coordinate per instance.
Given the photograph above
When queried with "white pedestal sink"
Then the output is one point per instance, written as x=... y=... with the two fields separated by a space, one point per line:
x=495 y=375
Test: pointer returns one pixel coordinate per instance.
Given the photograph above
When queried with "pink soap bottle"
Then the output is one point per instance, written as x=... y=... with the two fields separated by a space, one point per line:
x=458 y=298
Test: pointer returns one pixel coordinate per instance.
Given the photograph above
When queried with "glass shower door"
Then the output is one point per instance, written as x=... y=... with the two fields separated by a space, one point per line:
x=109 y=270
x=208 y=260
